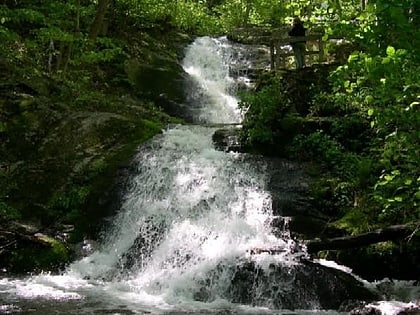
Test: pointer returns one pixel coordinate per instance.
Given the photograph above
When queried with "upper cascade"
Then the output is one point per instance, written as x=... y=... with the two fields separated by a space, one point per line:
x=212 y=94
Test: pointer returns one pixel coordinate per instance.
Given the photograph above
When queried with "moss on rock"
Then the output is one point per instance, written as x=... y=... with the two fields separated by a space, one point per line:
x=45 y=254
x=64 y=138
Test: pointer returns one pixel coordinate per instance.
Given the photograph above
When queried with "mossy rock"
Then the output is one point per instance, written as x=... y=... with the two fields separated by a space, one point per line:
x=45 y=254
x=163 y=81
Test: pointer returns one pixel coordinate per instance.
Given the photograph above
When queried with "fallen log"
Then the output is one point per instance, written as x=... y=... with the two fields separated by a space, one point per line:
x=390 y=233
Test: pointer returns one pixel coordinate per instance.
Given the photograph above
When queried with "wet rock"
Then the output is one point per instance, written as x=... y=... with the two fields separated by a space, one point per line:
x=162 y=80
x=305 y=286
x=150 y=234
x=227 y=140
x=399 y=261
x=301 y=285
x=84 y=248
x=289 y=188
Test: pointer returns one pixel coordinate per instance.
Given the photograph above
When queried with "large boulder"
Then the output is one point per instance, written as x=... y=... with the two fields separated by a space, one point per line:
x=162 y=80
x=307 y=285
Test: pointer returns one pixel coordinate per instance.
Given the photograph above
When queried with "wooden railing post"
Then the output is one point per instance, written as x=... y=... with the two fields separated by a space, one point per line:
x=279 y=38
x=272 y=55
x=321 y=49
x=279 y=57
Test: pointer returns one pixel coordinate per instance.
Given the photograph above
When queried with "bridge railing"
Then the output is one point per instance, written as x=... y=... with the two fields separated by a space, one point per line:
x=279 y=50
x=280 y=43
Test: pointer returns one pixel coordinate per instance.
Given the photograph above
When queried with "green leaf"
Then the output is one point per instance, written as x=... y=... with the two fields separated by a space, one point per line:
x=353 y=57
x=417 y=195
x=390 y=51
x=386 y=60
x=388 y=178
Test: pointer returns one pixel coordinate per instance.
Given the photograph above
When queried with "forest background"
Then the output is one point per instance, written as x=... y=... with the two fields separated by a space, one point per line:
x=72 y=109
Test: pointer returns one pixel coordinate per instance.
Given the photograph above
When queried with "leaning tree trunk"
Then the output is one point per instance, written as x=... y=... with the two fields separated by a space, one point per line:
x=390 y=233
x=99 y=19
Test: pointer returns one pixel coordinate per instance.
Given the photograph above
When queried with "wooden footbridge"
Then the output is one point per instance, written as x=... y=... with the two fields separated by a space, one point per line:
x=278 y=41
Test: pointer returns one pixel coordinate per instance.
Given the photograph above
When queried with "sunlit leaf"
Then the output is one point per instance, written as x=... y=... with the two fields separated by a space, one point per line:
x=408 y=182
x=390 y=51
x=386 y=60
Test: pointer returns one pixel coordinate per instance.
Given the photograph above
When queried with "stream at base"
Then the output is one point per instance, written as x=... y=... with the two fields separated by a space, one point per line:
x=190 y=217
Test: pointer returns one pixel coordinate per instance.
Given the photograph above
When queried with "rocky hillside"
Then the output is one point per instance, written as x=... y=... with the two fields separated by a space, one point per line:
x=63 y=140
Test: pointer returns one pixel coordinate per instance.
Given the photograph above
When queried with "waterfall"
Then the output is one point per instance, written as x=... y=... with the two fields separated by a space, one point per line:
x=207 y=60
x=189 y=208
x=191 y=217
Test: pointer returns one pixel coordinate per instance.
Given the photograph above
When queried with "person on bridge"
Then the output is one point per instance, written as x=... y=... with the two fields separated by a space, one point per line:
x=299 y=46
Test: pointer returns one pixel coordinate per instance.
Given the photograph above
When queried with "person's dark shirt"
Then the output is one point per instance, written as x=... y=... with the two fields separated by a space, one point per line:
x=297 y=30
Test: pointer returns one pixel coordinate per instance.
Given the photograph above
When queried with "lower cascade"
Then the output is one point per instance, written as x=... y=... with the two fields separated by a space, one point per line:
x=191 y=233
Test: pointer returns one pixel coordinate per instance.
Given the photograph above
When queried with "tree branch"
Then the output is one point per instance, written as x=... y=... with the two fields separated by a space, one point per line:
x=390 y=233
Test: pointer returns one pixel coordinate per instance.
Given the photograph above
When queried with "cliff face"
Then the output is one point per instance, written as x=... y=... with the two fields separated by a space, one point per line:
x=62 y=141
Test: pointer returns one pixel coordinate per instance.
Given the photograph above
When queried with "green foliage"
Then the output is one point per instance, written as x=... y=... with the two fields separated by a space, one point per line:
x=352 y=132
x=318 y=146
x=7 y=35
x=356 y=220
x=386 y=88
x=324 y=104
x=107 y=50
x=8 y=185
x=9 y=212
x=69 y=202
x=191 y=16
x=194 y=17
x=20 y=15
x=264 y=111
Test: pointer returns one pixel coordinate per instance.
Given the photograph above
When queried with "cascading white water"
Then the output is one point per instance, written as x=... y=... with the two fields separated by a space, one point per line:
x=207 y=61
x=190 y=214
x=190 y=207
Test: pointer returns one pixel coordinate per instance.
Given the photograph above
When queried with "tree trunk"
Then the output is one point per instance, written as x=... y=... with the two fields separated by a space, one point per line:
x=77 y=26
x=390 y=233
x=99 y=19
x=248 y=6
